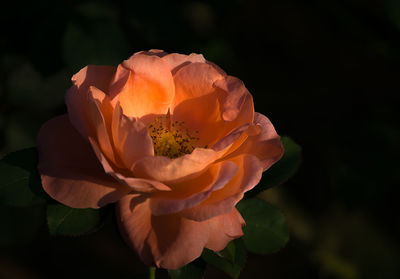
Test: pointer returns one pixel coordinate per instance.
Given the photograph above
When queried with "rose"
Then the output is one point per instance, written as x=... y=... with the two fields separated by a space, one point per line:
x=170 y=138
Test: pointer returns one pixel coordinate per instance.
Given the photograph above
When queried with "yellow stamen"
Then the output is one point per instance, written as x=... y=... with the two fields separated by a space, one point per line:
x=170 y=139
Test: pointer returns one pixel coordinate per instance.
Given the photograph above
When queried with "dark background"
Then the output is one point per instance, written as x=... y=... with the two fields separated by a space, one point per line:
x=325 y=72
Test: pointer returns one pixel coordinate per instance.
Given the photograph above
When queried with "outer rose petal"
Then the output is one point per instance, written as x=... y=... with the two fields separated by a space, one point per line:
x=167 y=241
x=70 y=171
x=77 y=96
x=194 y=191
x=223 y=229
x=266 y=146
x=224 y=200
x=148 y=86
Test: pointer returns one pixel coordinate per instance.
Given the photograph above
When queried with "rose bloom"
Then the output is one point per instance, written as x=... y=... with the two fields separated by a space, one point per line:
x=172 y=139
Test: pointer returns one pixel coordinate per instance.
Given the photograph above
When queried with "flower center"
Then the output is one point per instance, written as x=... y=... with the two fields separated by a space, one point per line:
x=171 y=139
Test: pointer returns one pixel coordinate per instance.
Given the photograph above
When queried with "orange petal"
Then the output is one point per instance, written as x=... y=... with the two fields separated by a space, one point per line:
x=176 y=61
x=266 y=146
x=167 y=241
x=77 y=95
x=192 y=192
x=224 y=228
x=194 y=80
x=131 y=138
x=135 y=184
x=235 y=98
x=173 y=170
x=97 y=122
x=70 y=171
x=224 y=200
x=149 y=88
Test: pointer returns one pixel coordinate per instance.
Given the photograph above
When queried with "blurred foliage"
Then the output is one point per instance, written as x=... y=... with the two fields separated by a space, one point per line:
x=20 y=182
x=324 y=72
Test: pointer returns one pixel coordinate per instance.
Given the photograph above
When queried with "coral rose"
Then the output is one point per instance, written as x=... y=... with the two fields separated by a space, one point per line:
x=170 y=138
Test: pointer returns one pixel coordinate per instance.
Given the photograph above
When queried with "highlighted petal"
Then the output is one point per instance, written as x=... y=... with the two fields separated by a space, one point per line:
x=148 y=86
x=167 y=241
x=70 y=171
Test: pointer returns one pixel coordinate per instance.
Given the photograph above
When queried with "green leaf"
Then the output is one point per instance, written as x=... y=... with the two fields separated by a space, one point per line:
x=64 y=220
x=282 y=170
x=20 y=183
x=231 y=260
x=193 y=270
x=266 y=230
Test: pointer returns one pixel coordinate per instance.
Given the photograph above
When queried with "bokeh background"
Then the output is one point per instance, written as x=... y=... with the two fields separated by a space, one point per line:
x=325 y=72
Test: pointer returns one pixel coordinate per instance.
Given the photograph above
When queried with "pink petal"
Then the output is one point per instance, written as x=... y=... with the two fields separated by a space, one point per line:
x=70 y=171
x=224 y=200
x=223 y=229
x=181 y=197
x=167 y=241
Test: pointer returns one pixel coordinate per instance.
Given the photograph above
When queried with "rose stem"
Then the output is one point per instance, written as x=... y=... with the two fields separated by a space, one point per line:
x=152 y=272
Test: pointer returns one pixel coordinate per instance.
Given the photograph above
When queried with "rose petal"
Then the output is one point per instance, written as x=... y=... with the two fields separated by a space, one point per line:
x=70 y=171
x=98 y=123
x=148 y=86
x=176 y=61
x=235 y=98
x=266 y=146
x=167 y=241
x=180 y=198
x=173 y=170
x=224 y=228
x=131 y=138
x=135 y=184
x=194 y=80
x=77 y=95
x=224 y=200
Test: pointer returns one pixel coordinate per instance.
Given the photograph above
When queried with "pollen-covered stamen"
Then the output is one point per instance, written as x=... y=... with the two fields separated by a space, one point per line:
x=171 y=139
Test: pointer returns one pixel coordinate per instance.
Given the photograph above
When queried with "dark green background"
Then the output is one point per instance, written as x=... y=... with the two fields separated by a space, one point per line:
x=325 y=72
